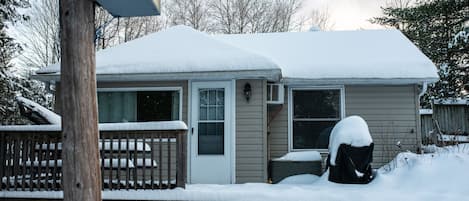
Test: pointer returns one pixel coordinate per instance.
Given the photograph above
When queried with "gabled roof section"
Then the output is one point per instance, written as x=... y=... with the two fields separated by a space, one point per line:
x=341 y=57
x=179 y=52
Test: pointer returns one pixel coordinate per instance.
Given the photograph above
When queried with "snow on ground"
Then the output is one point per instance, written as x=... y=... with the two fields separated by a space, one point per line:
x=438 y=176
x=301 y=156
x=300 y=179
x=352 y=130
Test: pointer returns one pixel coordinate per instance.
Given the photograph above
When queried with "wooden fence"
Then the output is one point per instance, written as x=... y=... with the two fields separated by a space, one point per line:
x=31 y=159
x=448 y=122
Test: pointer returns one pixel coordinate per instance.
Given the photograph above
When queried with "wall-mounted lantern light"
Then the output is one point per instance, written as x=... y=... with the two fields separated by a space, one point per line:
x=247 y=91
x=131 y=8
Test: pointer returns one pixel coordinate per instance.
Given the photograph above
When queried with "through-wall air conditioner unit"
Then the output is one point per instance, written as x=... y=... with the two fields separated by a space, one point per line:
x=275 y=93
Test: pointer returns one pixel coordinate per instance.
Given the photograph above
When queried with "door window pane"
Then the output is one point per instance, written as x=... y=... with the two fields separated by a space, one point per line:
x=211 y=126
x=211 y=138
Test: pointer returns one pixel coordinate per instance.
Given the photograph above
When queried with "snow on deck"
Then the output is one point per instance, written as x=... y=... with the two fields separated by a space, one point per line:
x=177 y=49
x=363 y=54
x=130 y=126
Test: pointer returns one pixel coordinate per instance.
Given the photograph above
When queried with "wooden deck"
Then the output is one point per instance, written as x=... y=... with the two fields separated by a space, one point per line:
x=149 y=159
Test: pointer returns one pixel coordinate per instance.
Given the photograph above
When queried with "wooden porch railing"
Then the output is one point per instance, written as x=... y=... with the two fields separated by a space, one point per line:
x=149 y=155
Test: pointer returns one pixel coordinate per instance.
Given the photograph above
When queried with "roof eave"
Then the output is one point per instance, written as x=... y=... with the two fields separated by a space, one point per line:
x=273 y=75
x=358 y=81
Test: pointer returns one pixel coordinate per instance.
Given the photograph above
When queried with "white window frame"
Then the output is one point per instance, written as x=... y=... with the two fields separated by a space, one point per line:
x=136 y=89
x=281 y=93
x=290 y=111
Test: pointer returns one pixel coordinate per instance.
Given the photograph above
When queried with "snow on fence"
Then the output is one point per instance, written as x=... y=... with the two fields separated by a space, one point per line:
x=131 y=158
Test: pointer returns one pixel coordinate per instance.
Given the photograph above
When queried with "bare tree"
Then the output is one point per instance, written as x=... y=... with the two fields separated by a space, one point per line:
x=193 y=13
x=40 y=35
x=251 y=16
x=399 y=3
x=317 y=19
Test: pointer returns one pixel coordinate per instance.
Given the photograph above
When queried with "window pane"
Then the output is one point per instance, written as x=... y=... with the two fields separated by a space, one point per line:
x=212 y=113
x=212 y=96
x=155 y=106
x=316 y=104
x=203 y=97
x=312 y=134
x=117 y=107
x=275 y=93
x=220 y=97
x=221 y=112
x=211 y=138
x=203 y=112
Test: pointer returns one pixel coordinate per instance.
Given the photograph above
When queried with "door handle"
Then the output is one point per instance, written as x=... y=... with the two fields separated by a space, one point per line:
x=192 y=131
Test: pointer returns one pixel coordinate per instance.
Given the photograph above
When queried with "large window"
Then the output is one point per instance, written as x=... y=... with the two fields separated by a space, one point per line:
x=138 y=105
x=314 y=113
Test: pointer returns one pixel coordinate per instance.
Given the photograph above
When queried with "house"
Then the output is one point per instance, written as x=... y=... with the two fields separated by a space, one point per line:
x=249 y=98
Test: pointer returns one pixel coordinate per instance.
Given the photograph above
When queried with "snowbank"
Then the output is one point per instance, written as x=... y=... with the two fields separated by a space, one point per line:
x=50 y=116
x=300 y=156
x=439 y=176
x=353 y=131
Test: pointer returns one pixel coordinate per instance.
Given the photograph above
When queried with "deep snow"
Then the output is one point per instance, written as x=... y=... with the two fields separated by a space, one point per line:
x=438 y=176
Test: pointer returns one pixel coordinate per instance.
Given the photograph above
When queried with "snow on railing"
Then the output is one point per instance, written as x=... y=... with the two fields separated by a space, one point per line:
x=150 y=155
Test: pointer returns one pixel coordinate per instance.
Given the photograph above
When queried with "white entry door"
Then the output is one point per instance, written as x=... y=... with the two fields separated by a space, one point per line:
x=211 y=156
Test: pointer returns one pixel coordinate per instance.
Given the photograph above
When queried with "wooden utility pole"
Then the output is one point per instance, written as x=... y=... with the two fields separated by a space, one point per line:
x=80 y=152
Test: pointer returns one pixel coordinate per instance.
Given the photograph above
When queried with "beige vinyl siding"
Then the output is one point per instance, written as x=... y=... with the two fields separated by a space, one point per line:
x=251 y=141
x=391 y=114
x=390 y=111
x=278 y=128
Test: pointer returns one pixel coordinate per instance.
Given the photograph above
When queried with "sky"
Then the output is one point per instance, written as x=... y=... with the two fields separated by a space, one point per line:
x=348 y=14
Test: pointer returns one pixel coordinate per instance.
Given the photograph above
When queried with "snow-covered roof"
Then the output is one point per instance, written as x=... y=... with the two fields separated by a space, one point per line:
x=336 y=57
x=179 y=52
x=363 y=56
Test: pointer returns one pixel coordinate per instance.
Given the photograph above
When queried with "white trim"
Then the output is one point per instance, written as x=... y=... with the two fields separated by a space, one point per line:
x=121 y=89
x=233 y=131
x=231 y=123
x=357 y=81
x=290 y=110
x=189 y=130
x=280 y=93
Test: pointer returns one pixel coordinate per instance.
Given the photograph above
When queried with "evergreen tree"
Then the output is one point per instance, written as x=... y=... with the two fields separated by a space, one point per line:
x=12 y=85
x=440 y=29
